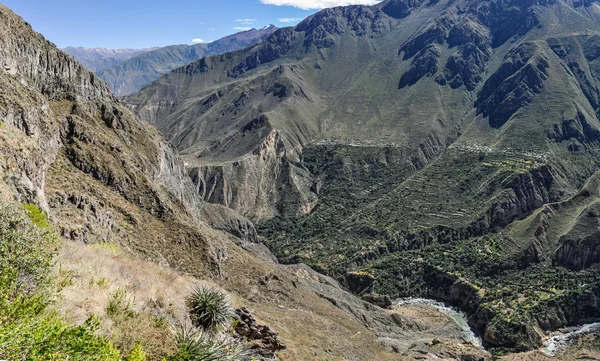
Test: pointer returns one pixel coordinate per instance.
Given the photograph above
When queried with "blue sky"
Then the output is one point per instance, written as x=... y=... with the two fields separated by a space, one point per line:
x=148 y=23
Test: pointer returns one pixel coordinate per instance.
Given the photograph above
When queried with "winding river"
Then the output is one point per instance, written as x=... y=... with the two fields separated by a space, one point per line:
x=557 y=342
x=560 y=340
x=458 y=317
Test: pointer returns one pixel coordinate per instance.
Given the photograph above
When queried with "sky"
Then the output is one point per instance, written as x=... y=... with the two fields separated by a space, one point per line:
x=149 y=23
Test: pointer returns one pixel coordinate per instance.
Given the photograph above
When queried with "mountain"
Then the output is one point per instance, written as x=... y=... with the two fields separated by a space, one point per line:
x=131 y=74
x=137 y=238
x=443 y=148
x=96 y=59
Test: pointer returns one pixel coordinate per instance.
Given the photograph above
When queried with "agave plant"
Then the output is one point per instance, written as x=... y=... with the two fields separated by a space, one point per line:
x=197 y=345
x=210 y=308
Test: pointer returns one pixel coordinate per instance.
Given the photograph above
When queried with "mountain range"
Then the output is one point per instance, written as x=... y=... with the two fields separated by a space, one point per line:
x=126 y=71
x=136 y=238
x=96 y=59
x=438 y=148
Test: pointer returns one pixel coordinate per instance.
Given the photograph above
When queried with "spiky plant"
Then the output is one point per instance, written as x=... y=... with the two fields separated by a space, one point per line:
x=196 y=345
x=210 y=308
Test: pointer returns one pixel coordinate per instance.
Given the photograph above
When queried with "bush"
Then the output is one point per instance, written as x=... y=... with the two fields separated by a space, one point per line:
x=210 y=308
x=196 y=345
x=120 y=306
x=28 y=331
x=27 y=249
x=137 y=354
x=37 y=216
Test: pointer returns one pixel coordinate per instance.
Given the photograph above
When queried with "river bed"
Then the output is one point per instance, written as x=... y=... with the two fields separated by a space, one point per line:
x=560 y=340
x=457 y=316
x=556 y=343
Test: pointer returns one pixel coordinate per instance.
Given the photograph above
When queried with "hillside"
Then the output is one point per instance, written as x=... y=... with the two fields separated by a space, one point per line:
x=97 y=59
x=446 y=148
x=130 y=75
x=136 y=238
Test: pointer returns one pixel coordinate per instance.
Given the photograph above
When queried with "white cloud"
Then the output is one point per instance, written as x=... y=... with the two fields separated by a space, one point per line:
x=197 y=41
x=318 y=4
x=212 y=29
x=241 y=28
x=289 y=20
x=246 y=21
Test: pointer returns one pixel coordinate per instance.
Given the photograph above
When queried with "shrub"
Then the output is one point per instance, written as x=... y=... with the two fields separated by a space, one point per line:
x=137 y=354
x=26 y=249
x=120 y=306
x=29 y=332
x=37 y=216
x=210 y=308
x=196 y=345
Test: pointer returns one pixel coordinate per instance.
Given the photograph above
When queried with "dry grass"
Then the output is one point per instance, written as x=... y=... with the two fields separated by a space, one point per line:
x=90 y=275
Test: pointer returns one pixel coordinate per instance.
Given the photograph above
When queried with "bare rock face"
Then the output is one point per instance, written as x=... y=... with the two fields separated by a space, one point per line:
x=523 y=194
x=102 y=175
x=38 y=64
x=264 y=341
x=225 y=219
x=259 y=186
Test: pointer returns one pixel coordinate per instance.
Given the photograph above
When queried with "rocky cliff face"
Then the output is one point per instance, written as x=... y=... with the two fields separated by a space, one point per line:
x=72 y=149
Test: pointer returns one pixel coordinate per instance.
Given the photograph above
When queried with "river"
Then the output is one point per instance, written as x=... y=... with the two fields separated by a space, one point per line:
x=560 y=340
x=557 y=342
x=457 y=316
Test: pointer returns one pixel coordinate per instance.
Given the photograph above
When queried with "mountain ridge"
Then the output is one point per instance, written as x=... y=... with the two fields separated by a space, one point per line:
x=138 y=70
x=96 y=59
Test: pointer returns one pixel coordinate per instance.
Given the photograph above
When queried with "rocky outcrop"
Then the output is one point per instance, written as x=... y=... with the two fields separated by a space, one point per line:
x=580 y=246
x=259 y=186
x=40 y=65
x=382 y=301
x=226 y=219
x=264 y=342
x=402 y=8
x=424 y=64
x=467 y=65
x=359 y=283
x=514 y=84
x=524 y=194
x=277 y=45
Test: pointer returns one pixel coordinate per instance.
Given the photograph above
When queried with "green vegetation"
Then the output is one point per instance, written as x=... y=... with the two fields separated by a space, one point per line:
x=38 y=217
x=195 y=345
x=120 y=306
x=137 y=354
x=29 y=330
x=418 y=234
x=210 y=308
